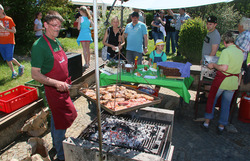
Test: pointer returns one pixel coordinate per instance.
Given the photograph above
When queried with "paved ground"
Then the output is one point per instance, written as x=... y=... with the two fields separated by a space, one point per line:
x=190 y=141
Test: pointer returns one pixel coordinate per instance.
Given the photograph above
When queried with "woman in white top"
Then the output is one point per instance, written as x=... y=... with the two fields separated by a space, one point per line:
x=38 y=25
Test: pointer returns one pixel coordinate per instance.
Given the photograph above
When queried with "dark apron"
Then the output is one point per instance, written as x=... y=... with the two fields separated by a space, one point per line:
x=157 y=59
x=60 y=103
x=214 y=88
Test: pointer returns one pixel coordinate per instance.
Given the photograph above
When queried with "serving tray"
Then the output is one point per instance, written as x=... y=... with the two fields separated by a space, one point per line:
x=156 y=100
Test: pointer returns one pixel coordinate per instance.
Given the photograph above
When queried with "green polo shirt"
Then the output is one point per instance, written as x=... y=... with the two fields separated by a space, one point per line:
x=233 y=57
x=41 y=55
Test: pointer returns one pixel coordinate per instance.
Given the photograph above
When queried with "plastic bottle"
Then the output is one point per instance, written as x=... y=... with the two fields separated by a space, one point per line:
x=136 y=62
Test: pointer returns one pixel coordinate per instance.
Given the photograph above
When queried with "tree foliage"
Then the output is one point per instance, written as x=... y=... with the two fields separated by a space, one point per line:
x=242 y=6
x=228 y=17
x=192 y=34
x=63 y=7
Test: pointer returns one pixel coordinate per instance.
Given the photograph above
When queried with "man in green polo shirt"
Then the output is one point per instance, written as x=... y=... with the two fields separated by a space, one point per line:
x=50 y=67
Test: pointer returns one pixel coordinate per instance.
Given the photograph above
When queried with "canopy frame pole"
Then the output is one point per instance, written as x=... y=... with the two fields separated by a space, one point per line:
x=97 y=80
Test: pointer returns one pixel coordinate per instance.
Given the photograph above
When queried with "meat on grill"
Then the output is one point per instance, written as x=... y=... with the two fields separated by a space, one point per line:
x=119 y=97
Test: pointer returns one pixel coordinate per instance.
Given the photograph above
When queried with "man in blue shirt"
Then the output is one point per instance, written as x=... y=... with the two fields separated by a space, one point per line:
x=136 y=34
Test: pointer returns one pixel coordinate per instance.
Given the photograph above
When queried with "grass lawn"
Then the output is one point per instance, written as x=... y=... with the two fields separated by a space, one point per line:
x=6 y=82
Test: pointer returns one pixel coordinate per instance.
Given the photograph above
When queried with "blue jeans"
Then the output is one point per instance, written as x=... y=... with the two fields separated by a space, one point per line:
x=225 y=106
x=157 y=35
x=170 y=36
x=57 y=138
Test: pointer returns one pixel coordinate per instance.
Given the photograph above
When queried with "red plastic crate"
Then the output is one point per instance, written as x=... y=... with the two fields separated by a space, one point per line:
x=16 y=98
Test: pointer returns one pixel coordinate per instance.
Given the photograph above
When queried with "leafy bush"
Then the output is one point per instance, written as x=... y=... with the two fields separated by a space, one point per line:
x=191 y=39
x=149 y=18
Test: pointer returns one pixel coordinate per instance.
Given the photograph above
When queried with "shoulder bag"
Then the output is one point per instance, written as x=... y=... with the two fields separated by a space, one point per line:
x=105 y=49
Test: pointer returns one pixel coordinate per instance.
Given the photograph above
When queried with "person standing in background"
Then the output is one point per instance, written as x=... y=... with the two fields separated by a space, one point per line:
x=243 y=39
x=170 y=30
x=211 y=44
x=38 y=25
x=179 y=20
x=84 y=37
x=157 y=25
x=90 y=11
x=137 y=39
x=113 y=38
x=212 y=40
x=7 y=42
x=142 y=16
x=49 y=66
x=243 y=43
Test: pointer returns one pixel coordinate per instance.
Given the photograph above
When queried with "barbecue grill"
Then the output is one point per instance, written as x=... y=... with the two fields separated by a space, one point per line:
x=143 y=135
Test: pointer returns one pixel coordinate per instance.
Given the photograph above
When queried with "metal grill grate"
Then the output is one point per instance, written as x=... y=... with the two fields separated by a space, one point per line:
x=157 y=142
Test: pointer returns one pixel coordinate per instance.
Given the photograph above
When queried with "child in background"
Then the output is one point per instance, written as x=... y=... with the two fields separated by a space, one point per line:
x=85 y=35
x=157 y=55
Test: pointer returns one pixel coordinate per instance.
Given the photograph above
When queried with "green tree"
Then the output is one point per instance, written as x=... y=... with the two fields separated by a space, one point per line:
x=242 y=6
x=63 y=7
x=191 y=39
x=228 y=16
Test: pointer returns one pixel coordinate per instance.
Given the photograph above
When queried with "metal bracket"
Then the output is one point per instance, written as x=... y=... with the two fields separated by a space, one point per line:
x=104 y=156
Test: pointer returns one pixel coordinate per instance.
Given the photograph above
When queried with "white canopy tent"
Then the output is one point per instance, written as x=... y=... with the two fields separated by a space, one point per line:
x=169 y=4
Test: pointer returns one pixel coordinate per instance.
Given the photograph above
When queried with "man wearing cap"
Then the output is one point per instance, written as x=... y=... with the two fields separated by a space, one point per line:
x=212 y=40
x=211 y=43
x=179 y=20
x=135 y=32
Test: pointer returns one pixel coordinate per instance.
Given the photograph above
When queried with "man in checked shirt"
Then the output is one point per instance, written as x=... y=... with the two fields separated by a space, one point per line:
x=243 y=43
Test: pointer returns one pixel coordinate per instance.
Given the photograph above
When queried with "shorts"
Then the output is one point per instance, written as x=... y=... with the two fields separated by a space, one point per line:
x=7 y=51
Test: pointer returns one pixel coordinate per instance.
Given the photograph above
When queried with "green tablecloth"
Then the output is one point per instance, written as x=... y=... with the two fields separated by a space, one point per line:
x=180 y=86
